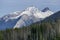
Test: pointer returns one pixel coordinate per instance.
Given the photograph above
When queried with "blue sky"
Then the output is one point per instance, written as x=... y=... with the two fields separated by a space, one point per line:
x=8 y=6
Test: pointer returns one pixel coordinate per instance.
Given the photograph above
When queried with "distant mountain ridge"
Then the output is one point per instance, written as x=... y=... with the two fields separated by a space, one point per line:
x=27 y=17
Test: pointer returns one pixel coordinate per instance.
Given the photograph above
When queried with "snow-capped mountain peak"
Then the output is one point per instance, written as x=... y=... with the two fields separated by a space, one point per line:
x=29 y=11
x=32 y=9
x=32 y=14
x=17 y=14
x=26 y=17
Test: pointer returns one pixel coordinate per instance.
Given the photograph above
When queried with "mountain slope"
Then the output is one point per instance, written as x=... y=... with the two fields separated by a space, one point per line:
x=34 y=16
x=23 y=18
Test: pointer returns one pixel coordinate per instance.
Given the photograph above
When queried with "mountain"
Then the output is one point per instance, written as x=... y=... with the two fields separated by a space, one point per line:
x=47 y=29
x=23 y=18
x=39 y=28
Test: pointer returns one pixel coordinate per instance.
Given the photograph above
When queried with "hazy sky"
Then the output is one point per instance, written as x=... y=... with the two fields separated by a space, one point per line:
x=8 y=6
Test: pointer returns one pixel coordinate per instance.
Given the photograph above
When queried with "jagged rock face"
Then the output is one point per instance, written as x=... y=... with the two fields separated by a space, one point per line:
x=45 y=9
x=23 y=18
